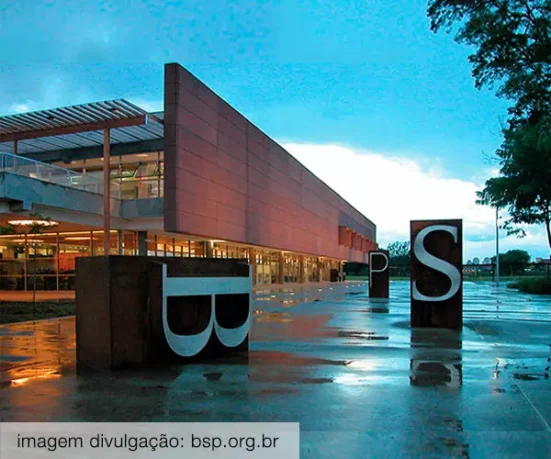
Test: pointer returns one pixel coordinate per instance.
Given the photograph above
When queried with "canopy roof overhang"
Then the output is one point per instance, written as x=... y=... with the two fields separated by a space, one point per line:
x=77 y=131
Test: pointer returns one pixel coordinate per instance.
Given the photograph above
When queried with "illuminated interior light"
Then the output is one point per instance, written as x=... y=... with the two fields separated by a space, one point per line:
x=33 y=223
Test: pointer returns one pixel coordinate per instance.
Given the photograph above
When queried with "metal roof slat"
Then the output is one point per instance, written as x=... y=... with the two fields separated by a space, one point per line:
x=137 y=109
x=95 y=136
x=39 y=143
x=5 y=127
x=33 y=120
x=132 y=135
x=119 y=110
x=56 y=121
x=76 y=141
x=65 y=139
x=91 y=138
x=121 y=137
x=113 y=111
x=9 y=124
x=69 y=117
x=92 y=115
x=127 y=107
x=19 y=124
x=81 y=126
x=74 y=115
x=88 y=114
x=142 y=134
x=47 y=117
x=154 y=129
x=100 y=111
x=130 y=108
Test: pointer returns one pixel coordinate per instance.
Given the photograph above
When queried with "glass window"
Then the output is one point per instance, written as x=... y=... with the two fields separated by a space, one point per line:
x=124 y=171
x=146 y=170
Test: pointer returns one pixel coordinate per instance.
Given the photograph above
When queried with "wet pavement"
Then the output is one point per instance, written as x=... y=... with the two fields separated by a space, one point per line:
x=349 y=369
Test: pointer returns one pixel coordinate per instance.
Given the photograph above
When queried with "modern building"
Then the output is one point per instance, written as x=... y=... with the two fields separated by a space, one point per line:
x=195 y=180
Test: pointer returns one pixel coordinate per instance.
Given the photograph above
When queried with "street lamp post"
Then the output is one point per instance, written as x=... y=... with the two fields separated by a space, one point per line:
x=497 y=246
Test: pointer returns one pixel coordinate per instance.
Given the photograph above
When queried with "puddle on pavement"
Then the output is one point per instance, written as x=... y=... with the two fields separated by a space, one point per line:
x=288 y=359
x=315 y=380
x=12 y=358
x=361 y=335
x=277 y=317
x=4 y=331
x=291 y=377
x=456 y=448
x=525 y=377
x=377 y=310
x=277 y=391
x=213 y=377
x=153 y=389
x=452 y=423
x=430 y=373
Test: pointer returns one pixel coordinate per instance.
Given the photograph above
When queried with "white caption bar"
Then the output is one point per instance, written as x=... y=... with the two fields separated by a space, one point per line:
x=30 y=440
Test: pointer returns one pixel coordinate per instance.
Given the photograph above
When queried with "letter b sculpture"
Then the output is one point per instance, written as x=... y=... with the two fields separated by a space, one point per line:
x=150 y=310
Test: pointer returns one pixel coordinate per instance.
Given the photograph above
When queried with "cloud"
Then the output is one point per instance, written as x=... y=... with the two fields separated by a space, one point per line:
x=21 y=108
x=150 y=106
x=391 y=190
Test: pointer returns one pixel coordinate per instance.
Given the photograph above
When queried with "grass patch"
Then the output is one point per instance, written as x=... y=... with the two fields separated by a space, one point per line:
x=537 y=285
x=16 y=311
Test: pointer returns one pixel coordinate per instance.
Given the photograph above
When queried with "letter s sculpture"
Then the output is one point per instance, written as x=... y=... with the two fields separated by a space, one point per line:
x=436 y=273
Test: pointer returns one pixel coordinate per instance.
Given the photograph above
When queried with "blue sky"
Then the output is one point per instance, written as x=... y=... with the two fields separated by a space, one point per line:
x=366 y=75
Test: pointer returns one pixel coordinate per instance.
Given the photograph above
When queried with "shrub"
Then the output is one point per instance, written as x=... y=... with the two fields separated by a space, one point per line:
x=538 y=285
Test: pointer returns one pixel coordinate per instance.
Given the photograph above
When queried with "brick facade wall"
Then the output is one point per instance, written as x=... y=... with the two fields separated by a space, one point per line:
x=225 y=179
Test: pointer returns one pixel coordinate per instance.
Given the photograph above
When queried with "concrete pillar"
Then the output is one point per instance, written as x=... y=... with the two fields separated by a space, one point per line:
x=142 y=243
x=281 y=268
x=302 y=276
x=318 y=275
x=106 y=191
x=209 y=249
x=119 y=241
x=252 y=262
x=57 y=260
x=25 y=261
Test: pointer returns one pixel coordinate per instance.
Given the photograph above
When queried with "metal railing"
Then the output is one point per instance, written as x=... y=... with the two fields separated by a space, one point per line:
x=44 y=172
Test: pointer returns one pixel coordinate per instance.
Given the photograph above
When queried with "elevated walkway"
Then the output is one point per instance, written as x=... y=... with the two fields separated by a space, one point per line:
x=26 y=183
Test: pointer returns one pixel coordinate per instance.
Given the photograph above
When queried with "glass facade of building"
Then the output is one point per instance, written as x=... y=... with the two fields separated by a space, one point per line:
x=49 y=259
x=137 y=176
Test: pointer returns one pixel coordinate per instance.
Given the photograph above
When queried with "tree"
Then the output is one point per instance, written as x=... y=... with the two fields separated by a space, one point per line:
x=352 y=268
x=512 y=39
x=399 y=253
x=513 y=261
x=524 y=184
x=36 y=226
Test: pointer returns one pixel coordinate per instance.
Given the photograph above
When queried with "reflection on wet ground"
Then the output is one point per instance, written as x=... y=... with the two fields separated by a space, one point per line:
x=349 y=369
